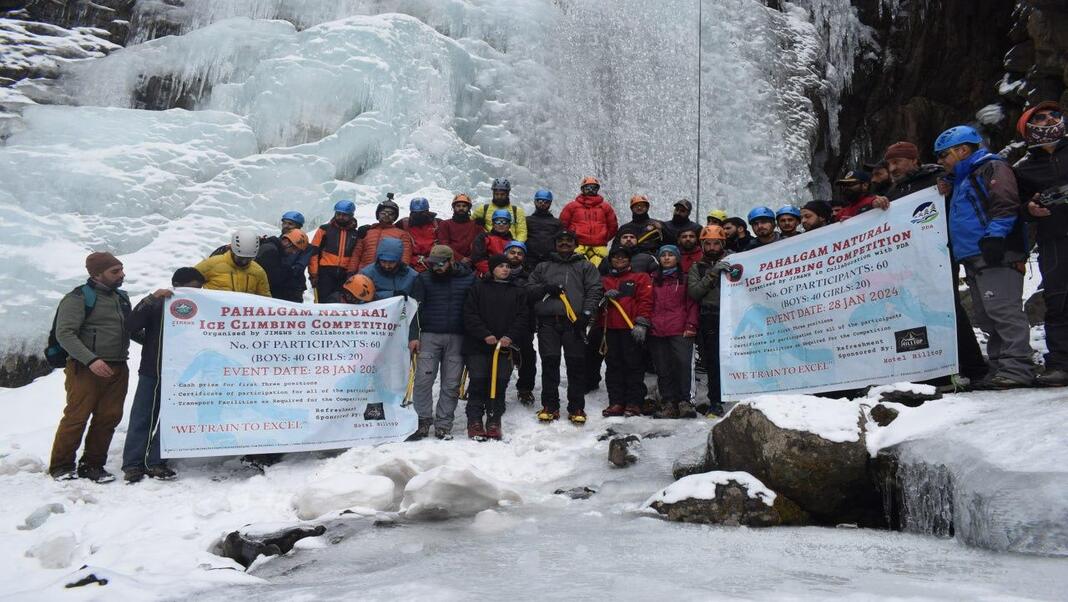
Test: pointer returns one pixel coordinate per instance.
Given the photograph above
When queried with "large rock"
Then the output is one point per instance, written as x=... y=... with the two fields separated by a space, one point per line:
x=825 y=472
x=246 y=545
x=726 y=498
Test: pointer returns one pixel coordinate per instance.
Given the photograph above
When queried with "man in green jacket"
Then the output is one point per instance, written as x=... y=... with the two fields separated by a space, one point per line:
x=703 y=285
x=95 y=338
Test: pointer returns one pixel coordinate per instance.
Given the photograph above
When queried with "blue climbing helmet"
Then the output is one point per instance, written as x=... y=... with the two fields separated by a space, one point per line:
x=960 y=134
x=502 y=214
x=760 y=213
x=543 y=194
x=294 y=216
x=419 y=204
x=515 y=244
x=346 y=206
x=787 y=210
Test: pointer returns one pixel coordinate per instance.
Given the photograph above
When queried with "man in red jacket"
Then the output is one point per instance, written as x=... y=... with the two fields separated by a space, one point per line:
x=422 y=225
x=691 y=251
x=625 y=321
x=592 y=219
x=854 y=186
x=460 y=231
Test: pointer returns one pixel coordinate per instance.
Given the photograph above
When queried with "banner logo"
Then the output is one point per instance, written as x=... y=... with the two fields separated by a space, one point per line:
x=183 y=309
x=911 y=339
x=925 y=213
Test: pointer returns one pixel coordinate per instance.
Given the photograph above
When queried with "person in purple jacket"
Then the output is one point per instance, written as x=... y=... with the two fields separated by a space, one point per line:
x=674 y=329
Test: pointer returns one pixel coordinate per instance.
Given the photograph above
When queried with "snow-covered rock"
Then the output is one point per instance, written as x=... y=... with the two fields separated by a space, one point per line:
x=449 y=491
x=727 y=498
x=343 y=491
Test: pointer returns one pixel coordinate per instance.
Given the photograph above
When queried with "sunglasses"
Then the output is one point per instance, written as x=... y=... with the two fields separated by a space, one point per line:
x=501 y=222
x=1046 y=117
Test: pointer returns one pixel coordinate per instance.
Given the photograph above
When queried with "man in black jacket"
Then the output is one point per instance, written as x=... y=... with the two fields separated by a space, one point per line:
x=140 y=454
x=1045 y=167
x=680 y=220
x=648 y=232
x=495 y=314
x=516 y=253
x=542 y=227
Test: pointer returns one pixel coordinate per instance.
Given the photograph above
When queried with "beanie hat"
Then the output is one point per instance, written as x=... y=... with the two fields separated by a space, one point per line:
x=495 y=261
x=620 y=250
x=389 y=249
x=670 y=249
x=187 y=275
x=820 y=208
x=902 y=150
x=99 y=262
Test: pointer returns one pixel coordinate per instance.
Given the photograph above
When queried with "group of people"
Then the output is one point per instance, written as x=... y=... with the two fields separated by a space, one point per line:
x=493 y=282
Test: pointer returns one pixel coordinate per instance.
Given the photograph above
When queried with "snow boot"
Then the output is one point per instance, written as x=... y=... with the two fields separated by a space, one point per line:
x=999 y=382
x=96 y=474
x=475 y=430
x=613 y=410
x=668 y=411
x=686 y=410
x=578 y=417
x=443 y=434
x=1052 y=378
x=632 y=411
x=64 y=474
x=547 y=415
x=133 y=475
x=526 y=397
x=716 y=410
x=650 y=406
x=161 y=472
x=422 y=432
x=493 y=430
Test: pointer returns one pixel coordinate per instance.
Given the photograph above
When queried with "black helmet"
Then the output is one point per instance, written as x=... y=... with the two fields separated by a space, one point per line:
x=389 y=204
x=501 y=184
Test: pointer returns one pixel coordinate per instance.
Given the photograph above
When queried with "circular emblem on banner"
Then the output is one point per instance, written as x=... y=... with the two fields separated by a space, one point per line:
x=183 y=309
x=925 y=213
x=734 y=274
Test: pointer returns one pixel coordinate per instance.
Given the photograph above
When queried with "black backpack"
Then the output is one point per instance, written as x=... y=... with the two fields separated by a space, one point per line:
x=55 y=354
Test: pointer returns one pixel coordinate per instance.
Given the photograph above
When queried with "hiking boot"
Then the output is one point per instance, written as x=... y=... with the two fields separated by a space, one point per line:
x=686 y=410
x=526 y=397
x=547 y=415
x=632 y=411
x=421 y=432
x=1052 y=378
x=133 y=475
x=96 y=474
x=476 y=431
x=443 y=434
x=957 y=384
x=613 y=410
x=650 y=406
x=64 y=474
x=670 y=410
x=161 y=472
x=493 y=430
x=577 y=417
x=703 y=408
x=1000 y=382
x=716 y=410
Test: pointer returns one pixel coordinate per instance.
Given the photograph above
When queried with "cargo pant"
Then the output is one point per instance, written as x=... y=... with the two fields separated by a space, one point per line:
x=438 y=350
x=996 y=298
x=94 y=401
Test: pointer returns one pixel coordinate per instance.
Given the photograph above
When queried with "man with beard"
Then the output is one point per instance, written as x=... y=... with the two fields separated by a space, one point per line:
x=422 y=226
x=592 y=219
x=640 y=261
x=680 y=220
x=502 y=199
x=647 y=231
x=386 y=213
x=880 y=177
x=737 y=232
x=689 y=250
x=703 y=285
x=542 y=227
x=516 y=253
x=716 y=217
x=762 y=219
x=854 y=187
x=285 y=258
x=788 y=217
x=459 y=231
x=437 y=336
x=907 y=174
x=816 y=214
x=1044 y=167
x=333 y=250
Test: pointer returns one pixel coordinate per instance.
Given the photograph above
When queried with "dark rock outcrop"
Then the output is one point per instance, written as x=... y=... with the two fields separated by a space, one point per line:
x=19 y=369
x=733 y=506
x=244 y=547
x=619 y=450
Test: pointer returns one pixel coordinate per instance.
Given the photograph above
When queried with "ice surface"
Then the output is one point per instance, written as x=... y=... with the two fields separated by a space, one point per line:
x=703 y=487
x=55 y=550
x=342 y=491
x=836 y=420
x=451 y=491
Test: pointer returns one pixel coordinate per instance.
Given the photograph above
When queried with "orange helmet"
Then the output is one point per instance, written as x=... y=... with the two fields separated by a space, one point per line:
x=639 y=198
x=713 y=232
x=461 y=198
x=590 y=180
x=361 y=287
x=298 y=238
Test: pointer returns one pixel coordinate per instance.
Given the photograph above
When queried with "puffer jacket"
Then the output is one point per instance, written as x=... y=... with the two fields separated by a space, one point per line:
x=222 y=274
x=591 y=218
x=674 y=311
x=581 y=282
x=424 y=236
x=1036 y=172
x=367 y=248
x=635 y=297
x=441 y=300
x=493 y=308
x=542 y=227
x=991 y=210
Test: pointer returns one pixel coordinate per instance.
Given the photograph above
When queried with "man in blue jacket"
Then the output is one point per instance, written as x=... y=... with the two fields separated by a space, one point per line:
x=437 y=335
x=392 y=277
x=986 y=237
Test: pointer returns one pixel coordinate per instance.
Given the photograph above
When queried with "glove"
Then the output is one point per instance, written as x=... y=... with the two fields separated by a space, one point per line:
x=720 y=266
x=638 y=333
x=582 y=321
x=554 y=289
x=993 y=249
x=612 y=294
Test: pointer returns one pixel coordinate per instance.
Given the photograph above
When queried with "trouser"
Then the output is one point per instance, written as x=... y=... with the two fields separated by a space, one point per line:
x=593 y=358
x=1053 y=263
x=142 y=437
x=673 y=357
x=329 y=281
x=438 y=350
x=480 y=370
x=528 y=365
x=556 y=336
x=996 y=292
x=709 y=333
x=624 y=375
x=89 y=395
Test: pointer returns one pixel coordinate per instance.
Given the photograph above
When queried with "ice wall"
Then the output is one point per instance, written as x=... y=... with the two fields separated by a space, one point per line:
x=299 y=103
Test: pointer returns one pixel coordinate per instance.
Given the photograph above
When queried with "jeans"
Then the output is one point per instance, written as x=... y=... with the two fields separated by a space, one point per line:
x=142 y=435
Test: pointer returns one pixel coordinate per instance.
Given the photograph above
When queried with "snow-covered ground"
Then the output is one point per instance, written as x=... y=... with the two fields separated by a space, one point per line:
x=152 y=540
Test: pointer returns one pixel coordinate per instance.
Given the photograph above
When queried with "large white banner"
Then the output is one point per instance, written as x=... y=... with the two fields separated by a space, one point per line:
x=867 y=301
x=246 y=374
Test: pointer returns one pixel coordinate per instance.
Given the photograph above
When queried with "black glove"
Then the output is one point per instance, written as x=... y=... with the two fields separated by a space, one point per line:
x=611 y=293
x=554 y=289
x=638 y=333
x=993 y=249
x=582 y=321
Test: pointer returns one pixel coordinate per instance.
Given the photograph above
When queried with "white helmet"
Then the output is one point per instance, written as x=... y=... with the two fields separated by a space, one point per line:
x=245 y=243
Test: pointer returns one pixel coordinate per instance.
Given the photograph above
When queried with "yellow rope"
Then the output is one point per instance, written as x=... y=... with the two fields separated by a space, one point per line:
x=463 y=382
x=626 y=318
x=567 y=308
x=493 y=371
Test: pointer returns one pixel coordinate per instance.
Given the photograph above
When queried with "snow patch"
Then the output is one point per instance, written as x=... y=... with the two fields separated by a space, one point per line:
x=332 y=494
x=836 y=420
x=702 y=486
x=55 y=551
x=450 y=491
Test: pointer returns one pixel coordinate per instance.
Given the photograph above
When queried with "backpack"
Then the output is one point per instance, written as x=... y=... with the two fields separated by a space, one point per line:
x=55 y=354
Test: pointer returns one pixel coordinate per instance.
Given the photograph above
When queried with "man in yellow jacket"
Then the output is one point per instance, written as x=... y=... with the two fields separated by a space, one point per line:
x=235 y=270
x=502 y=190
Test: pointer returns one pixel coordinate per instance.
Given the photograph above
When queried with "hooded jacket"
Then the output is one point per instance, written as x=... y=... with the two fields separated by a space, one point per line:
x=635 y=297
x=396 y=282
x=674 y=311
x=222 y=274
x=703 y=286
x=592 y=220
x=985 y=203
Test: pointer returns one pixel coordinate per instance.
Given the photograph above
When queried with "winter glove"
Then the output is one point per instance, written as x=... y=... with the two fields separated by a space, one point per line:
x=993 y=249
x=554 y=289
x=612 y=293
x=638 y=333
x=582 y=321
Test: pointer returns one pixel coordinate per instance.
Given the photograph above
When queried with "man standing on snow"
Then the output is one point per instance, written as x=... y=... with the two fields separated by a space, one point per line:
x=542 y=227
x=592 y=219
x=91 y=328
x=647 y=231
x=333 y=249
x=387 y=213
x=460 y=230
